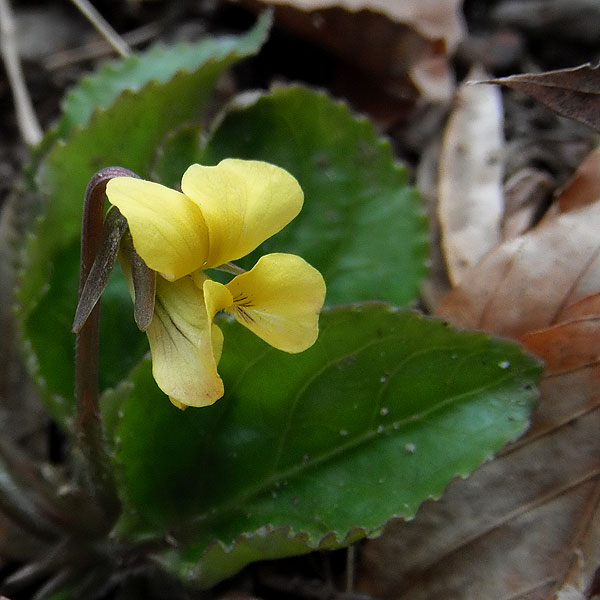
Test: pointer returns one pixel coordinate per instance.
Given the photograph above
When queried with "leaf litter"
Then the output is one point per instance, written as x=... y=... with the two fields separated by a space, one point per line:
x=572 y=93
x=526 y=525
x=470 y=202
x=409 y=45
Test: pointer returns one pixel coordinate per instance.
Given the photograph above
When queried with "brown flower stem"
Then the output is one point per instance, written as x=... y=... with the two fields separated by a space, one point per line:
x=88 y=423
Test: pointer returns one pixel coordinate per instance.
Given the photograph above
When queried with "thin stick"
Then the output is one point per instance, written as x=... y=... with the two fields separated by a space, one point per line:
x=29 y=126
x=90 y=434
x=103 y=26
x=99 y=48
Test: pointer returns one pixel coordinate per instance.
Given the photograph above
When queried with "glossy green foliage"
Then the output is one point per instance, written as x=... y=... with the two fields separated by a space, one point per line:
x=317 y=449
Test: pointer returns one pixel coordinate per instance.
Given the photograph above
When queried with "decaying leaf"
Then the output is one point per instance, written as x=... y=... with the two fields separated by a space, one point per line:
x=470 y=177
x=409 y=39
x=584 y=186
x=571 y=350
x=524 y=194
x=526 y=282
x=524 y=525
x=434 y=19
x=572 y=93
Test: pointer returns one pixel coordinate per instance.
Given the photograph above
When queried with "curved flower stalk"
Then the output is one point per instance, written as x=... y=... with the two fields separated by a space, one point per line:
x=222 y=214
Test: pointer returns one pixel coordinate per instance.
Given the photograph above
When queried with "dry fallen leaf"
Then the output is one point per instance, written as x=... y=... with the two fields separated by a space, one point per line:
x=572 y=93
x=434 y=19
x=525 y=283
x=523 y=527
x=390 y=41
x=470 y=177
x=584 y=186
x=525 y=193
x=571 y=350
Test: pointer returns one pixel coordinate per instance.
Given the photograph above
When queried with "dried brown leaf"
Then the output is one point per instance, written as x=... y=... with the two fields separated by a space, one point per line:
x=525 y=283
x=433 y=19
x=587 y=307
x=567 y=345
x=527 y=525
x=571 y=350
x=584 y=187
x=524 y=194
x=572 y=93
x=470 y=177
x=403 y=45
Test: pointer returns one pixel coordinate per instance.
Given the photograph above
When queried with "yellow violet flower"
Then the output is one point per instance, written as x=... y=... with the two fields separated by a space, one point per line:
x=222 y=214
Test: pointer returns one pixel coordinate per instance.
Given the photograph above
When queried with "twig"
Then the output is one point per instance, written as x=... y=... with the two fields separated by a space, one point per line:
x=99 y=48
x=30 y=129
x=103 y=26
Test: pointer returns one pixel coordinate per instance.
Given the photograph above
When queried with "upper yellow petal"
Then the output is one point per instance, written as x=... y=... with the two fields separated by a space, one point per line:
x=185 y=346
x=243 y=203
x=168 y=230
x=280 y=300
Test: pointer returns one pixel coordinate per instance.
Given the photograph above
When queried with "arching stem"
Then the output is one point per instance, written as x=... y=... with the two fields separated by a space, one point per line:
x=88 y=424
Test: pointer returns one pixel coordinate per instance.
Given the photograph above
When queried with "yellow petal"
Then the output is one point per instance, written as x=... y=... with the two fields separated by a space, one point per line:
x=216 y=296
x=168 y=230
x=178 y=404
x=243 y=202
x=185 y=347
x=280 y=300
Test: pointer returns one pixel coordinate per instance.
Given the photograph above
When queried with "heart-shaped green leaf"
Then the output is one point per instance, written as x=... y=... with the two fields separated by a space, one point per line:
x=125 y=131
x=362 y=225
x=316 y=449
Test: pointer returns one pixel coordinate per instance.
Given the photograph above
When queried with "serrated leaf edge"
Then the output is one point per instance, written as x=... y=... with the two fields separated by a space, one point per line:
x=534 y=369
x=54 y=133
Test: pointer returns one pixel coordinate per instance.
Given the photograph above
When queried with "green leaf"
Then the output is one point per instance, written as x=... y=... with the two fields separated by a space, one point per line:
x=126 y=133
x=125 y=130
x=317 y=449
x=101 y=89
x=50 y=337
x=362 y=225
x=160 y=63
